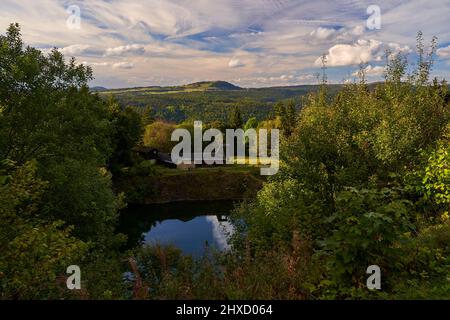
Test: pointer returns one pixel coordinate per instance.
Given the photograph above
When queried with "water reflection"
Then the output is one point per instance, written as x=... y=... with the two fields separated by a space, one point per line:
x=187 y=225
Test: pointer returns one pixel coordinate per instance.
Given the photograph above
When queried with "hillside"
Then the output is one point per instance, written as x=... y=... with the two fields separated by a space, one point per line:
x=208 y=100
x=202 y=86
x=98 y=89
x=212 y=86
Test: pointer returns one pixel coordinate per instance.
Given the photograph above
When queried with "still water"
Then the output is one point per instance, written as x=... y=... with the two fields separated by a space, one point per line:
x=188 y=225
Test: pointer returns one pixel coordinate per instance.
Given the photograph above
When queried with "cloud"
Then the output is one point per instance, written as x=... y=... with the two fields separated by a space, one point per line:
x=222 y=231
x=363 y=51
x=276 y=80
x=396 y=48
x=75 y=50
x=355 y=31
x=347 y=55
x=340 y=34
x=123 y=65
x=323 y=33
x=96 y=64
x=371 y=71
x=178 y=41
x=131 y=49
x=444 y=52
x=235 y=63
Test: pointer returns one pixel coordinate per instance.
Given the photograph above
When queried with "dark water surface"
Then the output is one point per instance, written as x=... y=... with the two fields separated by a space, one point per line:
x=187 y=225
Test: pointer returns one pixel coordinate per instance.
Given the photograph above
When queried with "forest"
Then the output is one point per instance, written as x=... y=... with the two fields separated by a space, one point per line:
x=209 y=101
x=364 y=180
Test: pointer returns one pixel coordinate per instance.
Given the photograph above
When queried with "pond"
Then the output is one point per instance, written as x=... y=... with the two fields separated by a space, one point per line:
x=189 y=226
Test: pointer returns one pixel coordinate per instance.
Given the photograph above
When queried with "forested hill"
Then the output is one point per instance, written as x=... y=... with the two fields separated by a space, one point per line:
x=208 y=100
x=215 y=88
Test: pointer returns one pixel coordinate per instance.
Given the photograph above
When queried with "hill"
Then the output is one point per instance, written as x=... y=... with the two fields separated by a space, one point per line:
x=95 y=89
x=213 y=86
x=209 y=100
x=192 y=87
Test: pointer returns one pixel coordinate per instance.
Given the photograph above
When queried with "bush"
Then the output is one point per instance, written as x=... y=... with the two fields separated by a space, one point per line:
x=35 y=253
x=368 y=225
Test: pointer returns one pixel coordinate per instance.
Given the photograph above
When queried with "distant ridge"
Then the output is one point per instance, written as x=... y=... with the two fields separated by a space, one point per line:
x=215 y=88
x=98 y=88
x=214 y=85
x=202 y=86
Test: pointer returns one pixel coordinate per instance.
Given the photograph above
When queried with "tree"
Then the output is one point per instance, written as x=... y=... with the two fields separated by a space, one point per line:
x=251 y=123
x=128 y=129
x=236 y=121
x=57 y=206
x=48 y=114
x=288 y=116
x=35 y=253
x=158 y=135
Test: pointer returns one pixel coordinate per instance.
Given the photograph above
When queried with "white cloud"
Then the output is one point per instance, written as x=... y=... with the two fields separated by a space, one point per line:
x=235 y=63
x=342 y=34
x=355 y=31
x=363 y=51
x=75 y=50
x=276 y=80
x=123 y=65
x=345 y=54
x=96 y=64
x=371 y=71
x=444 y=52
x=178 y=41
x=222 y=231
x=323 y=33
x=397 y=48
x=133 y=49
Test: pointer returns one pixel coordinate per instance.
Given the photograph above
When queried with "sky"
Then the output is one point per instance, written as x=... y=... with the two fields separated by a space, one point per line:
x=250 y=43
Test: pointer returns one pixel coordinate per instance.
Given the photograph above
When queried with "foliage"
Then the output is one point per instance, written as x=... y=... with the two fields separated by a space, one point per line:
x=368 y=224
x=235 y=121
x=364 y=179
x=288 y=116
x=158 y=135
x=35 y=253
x=48 y=114
x=347 y=182
x=57 y=205
x=436 y=176
x=128 y=131
x=82 y=196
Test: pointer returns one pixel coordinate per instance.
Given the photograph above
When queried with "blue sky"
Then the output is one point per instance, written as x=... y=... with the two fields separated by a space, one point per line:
x=251 y=43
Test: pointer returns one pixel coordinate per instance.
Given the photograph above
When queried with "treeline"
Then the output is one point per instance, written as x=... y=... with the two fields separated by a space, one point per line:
x=157 y=133
x=211 y=106
x=194 y=106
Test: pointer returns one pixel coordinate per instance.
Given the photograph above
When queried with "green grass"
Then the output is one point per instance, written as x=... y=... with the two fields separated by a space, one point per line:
x=205 y=170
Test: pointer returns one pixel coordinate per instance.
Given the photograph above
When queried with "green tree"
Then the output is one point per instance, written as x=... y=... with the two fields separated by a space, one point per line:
x=158 y=135
x=48 y=114
x=251 y=123
x=35 y=253
x=128 y=129
x=236 y=121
